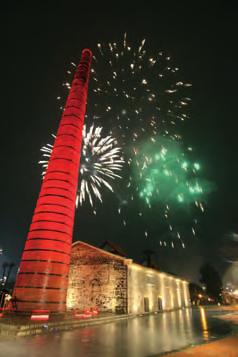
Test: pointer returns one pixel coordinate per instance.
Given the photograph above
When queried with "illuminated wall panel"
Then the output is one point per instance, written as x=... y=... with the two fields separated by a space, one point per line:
x=152 y=284
x=43 y=274
x=96 y=278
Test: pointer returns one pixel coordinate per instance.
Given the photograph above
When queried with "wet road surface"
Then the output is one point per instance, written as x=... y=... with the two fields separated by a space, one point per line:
x=138 y=337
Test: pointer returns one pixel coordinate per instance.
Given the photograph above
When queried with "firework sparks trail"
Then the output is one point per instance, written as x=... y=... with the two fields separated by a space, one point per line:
x=169 y=180
x=101 y=163
x=141 y=97
x=136 y=92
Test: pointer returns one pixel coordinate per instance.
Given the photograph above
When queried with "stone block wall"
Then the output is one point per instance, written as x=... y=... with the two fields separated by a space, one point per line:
x=96 y=279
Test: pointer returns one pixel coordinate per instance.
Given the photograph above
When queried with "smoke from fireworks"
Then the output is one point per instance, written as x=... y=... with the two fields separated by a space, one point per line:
x=101 y=162
x=168 y=176
x=171 y=184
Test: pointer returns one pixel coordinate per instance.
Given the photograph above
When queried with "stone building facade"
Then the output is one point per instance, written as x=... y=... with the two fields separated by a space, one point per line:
x=117 y=284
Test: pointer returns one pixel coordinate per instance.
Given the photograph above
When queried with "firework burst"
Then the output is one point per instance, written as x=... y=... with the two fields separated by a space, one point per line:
x=172 y=184
x=101 y=162
x=140 y=96
x=137 y=92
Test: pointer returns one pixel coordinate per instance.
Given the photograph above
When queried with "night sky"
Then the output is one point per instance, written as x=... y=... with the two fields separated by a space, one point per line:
x=36 y=48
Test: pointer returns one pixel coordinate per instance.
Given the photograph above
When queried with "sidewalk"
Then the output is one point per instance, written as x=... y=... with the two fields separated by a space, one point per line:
x=14 y=325
x=226 y=347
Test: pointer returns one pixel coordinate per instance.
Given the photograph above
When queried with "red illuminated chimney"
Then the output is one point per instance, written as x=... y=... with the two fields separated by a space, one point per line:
x=43 y=274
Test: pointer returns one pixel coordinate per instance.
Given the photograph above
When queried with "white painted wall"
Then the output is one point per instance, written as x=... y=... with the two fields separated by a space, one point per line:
x=148 y=283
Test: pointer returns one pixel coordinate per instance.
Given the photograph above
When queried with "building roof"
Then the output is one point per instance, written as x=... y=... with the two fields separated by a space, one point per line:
x=113 y=248
x=102 y=251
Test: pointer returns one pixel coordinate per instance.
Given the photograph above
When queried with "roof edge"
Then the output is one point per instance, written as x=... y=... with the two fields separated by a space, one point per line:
x=102 y=251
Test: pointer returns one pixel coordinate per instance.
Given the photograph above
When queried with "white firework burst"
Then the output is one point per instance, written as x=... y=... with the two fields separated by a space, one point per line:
x=101 y=162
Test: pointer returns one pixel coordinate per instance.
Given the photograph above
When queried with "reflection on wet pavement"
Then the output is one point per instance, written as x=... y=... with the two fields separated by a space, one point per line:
x=138 y=337
x=203 y=319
